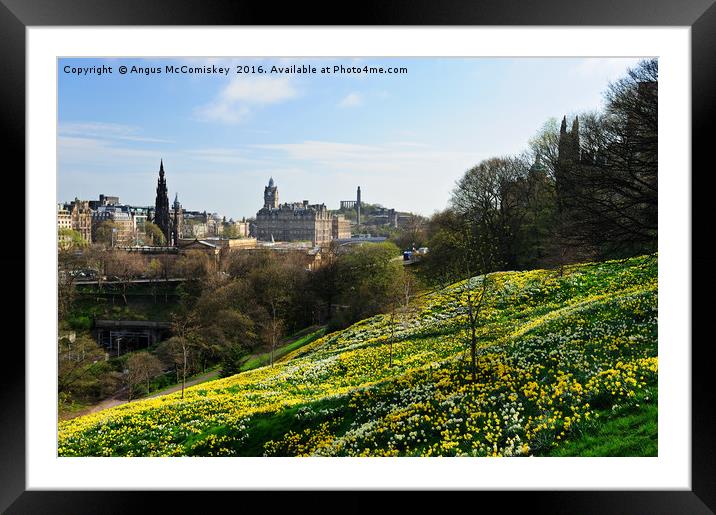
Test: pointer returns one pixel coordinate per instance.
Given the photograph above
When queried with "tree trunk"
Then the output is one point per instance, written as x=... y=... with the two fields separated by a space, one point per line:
x=473 y=353
x=392 y=337
x=183 y=375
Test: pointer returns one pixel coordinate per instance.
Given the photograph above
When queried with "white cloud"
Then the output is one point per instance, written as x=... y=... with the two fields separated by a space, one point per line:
x=100 y=152
x=351 y=100
x=236 y=101
x=103 y=130
x=396 y=158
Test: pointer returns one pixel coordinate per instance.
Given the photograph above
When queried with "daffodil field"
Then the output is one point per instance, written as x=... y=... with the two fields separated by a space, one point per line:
x=555 y=351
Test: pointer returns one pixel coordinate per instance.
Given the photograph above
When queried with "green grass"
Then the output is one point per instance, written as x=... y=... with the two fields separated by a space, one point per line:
x=265 y=358
x=627 y=431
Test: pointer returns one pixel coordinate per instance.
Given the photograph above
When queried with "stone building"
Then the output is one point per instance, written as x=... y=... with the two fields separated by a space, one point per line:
x=298 y=221
x=238 y=229
x=340 y=227
x=104 y=200
x=64 y=222
x=123 y=219
x=81 y=216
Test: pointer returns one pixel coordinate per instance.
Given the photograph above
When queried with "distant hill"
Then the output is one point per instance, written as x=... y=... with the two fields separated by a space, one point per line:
x=564 y=362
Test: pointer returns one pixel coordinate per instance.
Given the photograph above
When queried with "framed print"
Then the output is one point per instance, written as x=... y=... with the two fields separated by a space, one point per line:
x=439 y=249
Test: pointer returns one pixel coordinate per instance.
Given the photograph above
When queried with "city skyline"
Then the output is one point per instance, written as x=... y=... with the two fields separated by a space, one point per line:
x=404 y=138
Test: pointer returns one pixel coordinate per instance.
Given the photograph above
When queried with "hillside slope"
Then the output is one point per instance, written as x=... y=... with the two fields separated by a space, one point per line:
x=555 y=354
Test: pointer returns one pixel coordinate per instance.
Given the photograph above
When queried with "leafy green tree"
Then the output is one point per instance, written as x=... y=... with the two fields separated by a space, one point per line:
x=80 y=367
x=70 y=239
x=230 y=231
x=105 y=233
x=368 y=272
x=154 y=233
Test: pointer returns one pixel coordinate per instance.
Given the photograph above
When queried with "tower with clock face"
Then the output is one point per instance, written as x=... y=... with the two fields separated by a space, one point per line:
x=271 y=195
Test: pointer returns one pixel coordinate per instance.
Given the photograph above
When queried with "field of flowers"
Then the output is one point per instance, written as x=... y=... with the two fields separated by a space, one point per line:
x=555 y=354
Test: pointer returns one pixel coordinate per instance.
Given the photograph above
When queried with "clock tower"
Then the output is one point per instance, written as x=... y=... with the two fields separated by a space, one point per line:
x=271 y=195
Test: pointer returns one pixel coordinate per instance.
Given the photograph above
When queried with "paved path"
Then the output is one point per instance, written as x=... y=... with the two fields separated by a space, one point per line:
x=121 y=396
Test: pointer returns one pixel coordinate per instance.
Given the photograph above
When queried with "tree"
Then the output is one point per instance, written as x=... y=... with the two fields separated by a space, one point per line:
x=325 y=282
x=400 y=296
x=545 y=144
x=475 y=237
x=142 y=367
x=464 y=276
x=185 y=327
x=610 y=199
x=272 y=286
x=70 y=239
x=368 y=272
x=154 y=233
x=70 y=264
x=230 y=230
x=126 y=267
x=413 y=232
x=80 y=366
x=105 y=233
x=197 y=268
x=155 y=273
x=239 y=337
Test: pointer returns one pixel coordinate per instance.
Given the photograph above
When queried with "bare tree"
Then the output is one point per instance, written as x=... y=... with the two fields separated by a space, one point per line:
x=126 y=267
x=142 y=367
x=610 y=199
x=185 y=327
x=401 y=295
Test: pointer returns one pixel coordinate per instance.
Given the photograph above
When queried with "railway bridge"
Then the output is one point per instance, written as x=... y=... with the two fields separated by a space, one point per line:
x=119 y=336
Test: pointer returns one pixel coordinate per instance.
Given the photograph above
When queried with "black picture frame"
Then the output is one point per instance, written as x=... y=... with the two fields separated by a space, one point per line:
x=16 y=15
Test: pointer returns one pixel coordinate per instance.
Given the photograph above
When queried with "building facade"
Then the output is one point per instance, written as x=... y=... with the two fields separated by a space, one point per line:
x=340 y=228
x=298 y=221
x=64 y=223
x=124 y=230
x=81 y=216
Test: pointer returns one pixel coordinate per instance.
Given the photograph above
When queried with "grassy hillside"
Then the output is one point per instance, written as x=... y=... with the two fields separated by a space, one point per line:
x=565 y=365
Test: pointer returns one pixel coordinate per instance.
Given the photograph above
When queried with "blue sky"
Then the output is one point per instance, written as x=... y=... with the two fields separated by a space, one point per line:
x=404 y=138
